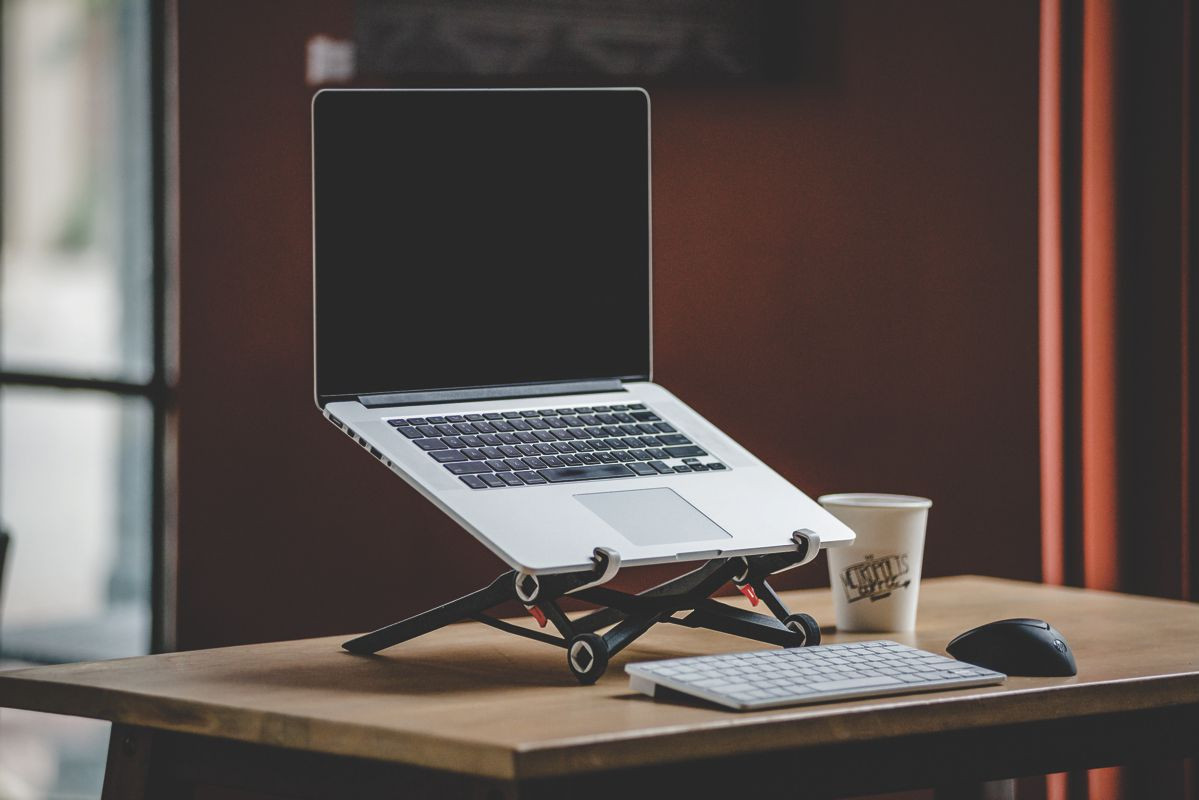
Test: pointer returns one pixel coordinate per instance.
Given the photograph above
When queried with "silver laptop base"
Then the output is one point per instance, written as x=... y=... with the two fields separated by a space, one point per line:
x=626 y=615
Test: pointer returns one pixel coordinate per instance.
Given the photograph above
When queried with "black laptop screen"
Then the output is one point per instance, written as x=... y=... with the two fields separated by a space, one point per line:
x=477 y=238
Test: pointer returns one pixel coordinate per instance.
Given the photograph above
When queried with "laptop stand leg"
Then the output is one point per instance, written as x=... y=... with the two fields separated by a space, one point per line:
x=587 y=654
x=498 y=591
x=674 y=587
x=717 y=616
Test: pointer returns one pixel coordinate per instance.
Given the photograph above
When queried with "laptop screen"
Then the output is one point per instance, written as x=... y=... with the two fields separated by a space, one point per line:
x=479 y=238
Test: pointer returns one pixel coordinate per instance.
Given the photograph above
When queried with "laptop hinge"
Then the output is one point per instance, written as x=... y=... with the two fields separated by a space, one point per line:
x=490 y=393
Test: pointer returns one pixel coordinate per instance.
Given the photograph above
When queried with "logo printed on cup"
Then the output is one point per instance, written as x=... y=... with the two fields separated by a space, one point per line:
x=875 y=578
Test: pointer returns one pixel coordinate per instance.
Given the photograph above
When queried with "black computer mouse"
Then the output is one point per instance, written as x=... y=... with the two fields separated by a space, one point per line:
x=1016 y=647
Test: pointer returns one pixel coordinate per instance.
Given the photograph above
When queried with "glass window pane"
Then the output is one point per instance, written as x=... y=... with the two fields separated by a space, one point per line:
x=75 y=482
x=76 y=216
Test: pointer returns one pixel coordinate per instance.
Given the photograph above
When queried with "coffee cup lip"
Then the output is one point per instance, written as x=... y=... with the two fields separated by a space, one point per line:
x=873 y=500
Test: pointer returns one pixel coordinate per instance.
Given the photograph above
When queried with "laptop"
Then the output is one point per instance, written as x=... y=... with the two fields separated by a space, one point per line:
x=483 y=329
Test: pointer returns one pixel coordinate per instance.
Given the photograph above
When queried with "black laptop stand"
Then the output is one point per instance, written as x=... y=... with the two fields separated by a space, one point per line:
x=626 y=615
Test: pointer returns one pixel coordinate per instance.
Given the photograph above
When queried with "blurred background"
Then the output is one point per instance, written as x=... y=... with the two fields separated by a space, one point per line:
x=895 y=221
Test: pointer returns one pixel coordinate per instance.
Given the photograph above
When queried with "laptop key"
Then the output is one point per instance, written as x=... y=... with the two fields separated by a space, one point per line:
x=491 y=480
x=643 y=469
x=447 y=456
x=553 y=461
x=410 y=432
x=586 y=473
x=529 y=477
x=510 y=479
x=660 y=467
x=429 y=444
x=645 y=416
x=473 y=482
x=467 y=467
x=588 y=458
x=683 y=452
x=673 y=438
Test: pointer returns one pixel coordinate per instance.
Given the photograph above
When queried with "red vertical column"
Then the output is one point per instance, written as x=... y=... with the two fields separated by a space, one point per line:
x=1098 y=254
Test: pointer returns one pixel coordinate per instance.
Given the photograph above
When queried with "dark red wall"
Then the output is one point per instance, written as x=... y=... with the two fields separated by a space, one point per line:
x=845 y=281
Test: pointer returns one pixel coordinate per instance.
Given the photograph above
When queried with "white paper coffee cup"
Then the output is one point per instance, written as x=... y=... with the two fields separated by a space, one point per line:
x=876 y=580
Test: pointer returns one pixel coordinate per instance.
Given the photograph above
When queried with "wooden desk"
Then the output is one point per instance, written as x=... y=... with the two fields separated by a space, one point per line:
x=471 y=711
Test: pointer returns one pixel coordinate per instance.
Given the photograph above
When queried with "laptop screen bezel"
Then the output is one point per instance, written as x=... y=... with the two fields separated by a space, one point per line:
x=323 y=399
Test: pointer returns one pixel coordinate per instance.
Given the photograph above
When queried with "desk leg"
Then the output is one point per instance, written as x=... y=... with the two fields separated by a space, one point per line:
x=127 y=773
x=987 y=790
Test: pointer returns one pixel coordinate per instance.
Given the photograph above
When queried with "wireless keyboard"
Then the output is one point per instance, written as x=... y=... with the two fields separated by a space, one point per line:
x=799 y=675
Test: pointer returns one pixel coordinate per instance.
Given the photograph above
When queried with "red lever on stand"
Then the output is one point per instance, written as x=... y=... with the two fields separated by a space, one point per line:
x=749 y=593
x=538 y=615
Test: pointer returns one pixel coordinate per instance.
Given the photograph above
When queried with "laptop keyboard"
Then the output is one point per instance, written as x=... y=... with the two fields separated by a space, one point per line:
x=498 y=450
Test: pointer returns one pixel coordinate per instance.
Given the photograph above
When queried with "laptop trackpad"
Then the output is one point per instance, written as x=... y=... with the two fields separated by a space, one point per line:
x=652 y=516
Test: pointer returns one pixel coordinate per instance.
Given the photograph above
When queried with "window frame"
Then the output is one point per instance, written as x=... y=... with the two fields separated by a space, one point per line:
x=158 y=390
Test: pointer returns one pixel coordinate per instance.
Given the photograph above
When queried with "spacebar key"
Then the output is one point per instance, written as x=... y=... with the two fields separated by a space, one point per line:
x=585 y=473
x=854 y=683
